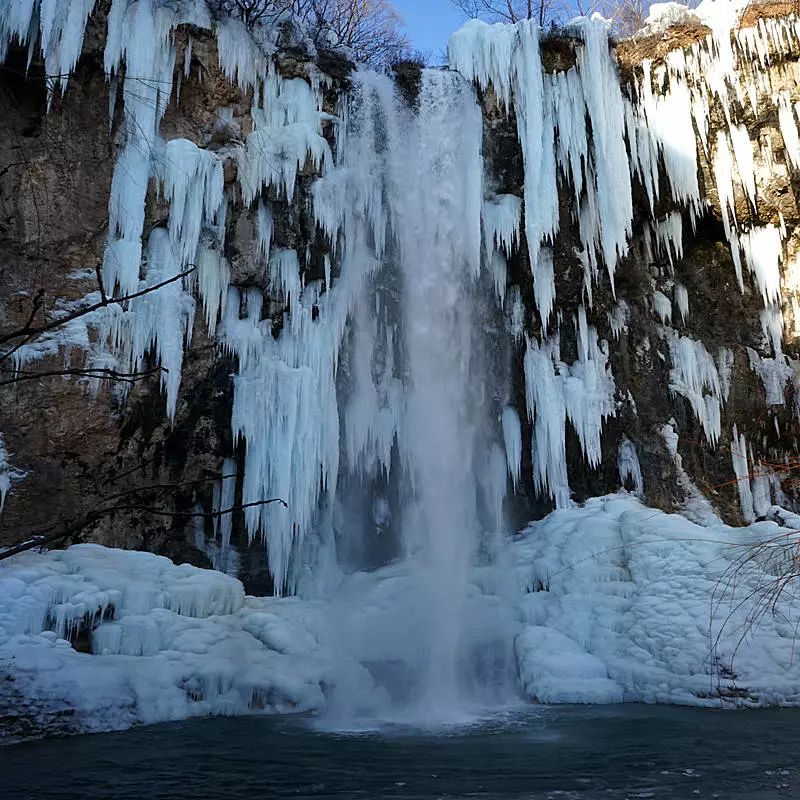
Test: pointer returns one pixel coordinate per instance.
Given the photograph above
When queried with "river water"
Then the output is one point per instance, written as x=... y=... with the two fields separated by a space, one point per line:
x=636 y=752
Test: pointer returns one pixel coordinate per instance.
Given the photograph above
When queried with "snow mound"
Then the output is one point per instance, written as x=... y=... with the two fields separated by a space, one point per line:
x=167 y=642
x=665 y=15
x=658 y=602
x=609 y=602
x=715 y=14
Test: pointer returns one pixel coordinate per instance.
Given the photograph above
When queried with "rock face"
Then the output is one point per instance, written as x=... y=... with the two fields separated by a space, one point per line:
x=716 y=377
x=75 y=443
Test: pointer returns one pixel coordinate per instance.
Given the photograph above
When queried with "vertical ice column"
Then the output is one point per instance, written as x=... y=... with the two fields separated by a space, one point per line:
x=742 y=471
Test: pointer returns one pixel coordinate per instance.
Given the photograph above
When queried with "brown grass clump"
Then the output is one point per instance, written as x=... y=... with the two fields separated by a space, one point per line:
x=655 y=47
x=768 y=10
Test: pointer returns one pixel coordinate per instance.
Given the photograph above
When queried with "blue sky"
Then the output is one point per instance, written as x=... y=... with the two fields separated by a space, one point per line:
x=429 y=23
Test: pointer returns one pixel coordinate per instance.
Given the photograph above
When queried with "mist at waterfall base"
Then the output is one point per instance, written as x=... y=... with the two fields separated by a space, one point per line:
x=417 y=374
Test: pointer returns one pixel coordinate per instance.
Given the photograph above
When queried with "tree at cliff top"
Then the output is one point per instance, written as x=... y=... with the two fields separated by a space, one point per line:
x=372 y=29
x=628 y=15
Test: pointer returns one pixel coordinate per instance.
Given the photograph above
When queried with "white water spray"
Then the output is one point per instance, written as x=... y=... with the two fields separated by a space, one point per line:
x=437 y=225
x=416 y=372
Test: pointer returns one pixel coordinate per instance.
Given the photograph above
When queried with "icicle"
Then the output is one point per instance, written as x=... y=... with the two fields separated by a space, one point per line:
x=743 y=150
x=274 y=156
x=241 y=59
x=629 y=468
x=618 y=318
x=788 y=126
x=583 y=393
x=225 y=498
x=741 y=470
x=498 y=268
x=723 y=177
x=763 y=251
x=694 y=376
x=512 y=435
x=775 y=373
x=548 y=413
x=663 y=307
x=544 y=285
x=287 y=136
x=193 y=184
x=516 y=314
x=669 y=116
x=213 y=277
x=725 y=361
x=681 y=298
x=61 y=27
x=607 y=114
x=484 y=53
x=264 y=226
x=772 y=327
x=187 y=59
x=501 y=222
x=669 y=237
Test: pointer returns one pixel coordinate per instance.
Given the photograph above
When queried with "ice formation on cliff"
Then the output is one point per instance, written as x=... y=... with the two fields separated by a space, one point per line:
x=572 y=126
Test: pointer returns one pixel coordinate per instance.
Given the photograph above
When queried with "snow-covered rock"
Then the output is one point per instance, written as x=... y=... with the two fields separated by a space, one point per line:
x=611 y=602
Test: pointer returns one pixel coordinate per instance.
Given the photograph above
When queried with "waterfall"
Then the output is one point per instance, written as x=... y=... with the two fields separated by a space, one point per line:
x=420 y=430
x=437 y=226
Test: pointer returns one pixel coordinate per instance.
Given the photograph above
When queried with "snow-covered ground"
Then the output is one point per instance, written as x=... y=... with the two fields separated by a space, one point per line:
x=608 y=602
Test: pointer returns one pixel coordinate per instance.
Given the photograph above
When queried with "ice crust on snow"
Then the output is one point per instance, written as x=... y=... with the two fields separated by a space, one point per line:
x=659 y=572
x=169 y=641
x=572 y=126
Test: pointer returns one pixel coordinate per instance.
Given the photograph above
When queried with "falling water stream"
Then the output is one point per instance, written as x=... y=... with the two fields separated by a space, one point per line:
x=439 y=258
x=425 y=325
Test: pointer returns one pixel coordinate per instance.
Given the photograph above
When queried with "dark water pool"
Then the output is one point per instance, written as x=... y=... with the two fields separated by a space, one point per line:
x=635 y=752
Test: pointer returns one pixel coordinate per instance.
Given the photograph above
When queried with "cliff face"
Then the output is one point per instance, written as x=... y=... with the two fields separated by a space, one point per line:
x=734 y=107
x=72 y=441
x=701 y=319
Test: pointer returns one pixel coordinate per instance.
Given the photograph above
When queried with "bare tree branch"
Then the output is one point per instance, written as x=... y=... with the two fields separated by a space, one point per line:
x=71 y=528
x=29 y=330
x=372 y=29
x=98 y=373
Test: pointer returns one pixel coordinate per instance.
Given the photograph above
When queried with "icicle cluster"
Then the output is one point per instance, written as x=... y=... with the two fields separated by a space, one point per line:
x=695 y=376
x=729 y=70
x=555 y=113
x=556 y=392
x=630 y=471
